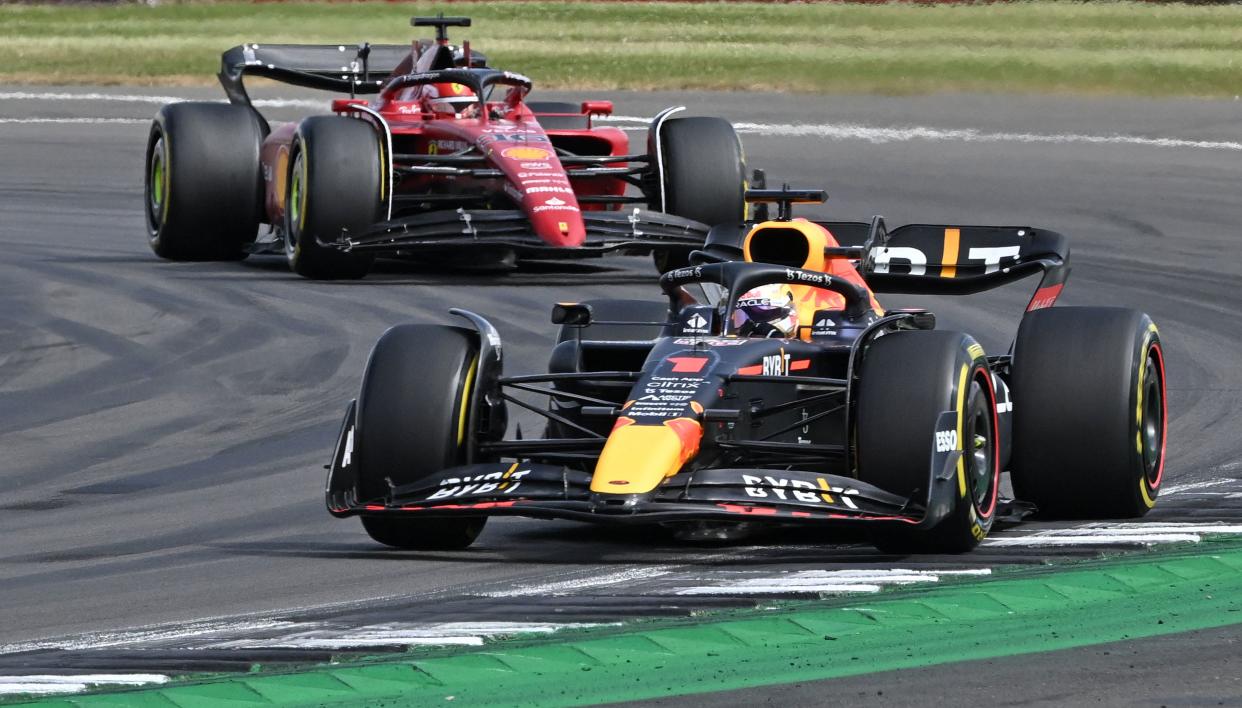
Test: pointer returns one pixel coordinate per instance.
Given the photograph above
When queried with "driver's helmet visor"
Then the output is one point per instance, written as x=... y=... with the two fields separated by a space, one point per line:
x=765 y=311
x=450 y=98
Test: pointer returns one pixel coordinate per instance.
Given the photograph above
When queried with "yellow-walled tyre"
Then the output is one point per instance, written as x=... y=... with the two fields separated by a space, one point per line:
x=412 y=414
x=908 y=380
x=336 y=177
x=203 y=188
x=704 y=177
x=1090 y=416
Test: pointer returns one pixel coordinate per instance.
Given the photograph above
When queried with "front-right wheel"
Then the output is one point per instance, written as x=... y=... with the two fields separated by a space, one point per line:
x=413 y=411
x=703 y=177
x=337 y=175
x=908 y=380
x=1090 y=417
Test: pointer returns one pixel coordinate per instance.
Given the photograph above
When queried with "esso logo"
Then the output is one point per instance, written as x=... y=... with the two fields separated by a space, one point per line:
x=946 y=440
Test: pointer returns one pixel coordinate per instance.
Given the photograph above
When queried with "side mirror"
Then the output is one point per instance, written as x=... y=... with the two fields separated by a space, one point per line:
x=571 y=314
x=597 y=108
x=920 y=318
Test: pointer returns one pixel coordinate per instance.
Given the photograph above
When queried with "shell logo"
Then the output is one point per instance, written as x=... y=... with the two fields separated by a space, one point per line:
x=526 y=153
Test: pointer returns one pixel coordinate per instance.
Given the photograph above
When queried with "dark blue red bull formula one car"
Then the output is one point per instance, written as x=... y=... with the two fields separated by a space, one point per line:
x=784 y=394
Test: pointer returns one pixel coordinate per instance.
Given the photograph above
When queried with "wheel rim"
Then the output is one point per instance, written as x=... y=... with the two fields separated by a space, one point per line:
x=295 y=210
x=157 y=187
x=979 y=449
x=1151 y=430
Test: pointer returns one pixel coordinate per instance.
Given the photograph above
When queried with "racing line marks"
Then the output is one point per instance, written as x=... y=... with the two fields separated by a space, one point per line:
x=828 y=131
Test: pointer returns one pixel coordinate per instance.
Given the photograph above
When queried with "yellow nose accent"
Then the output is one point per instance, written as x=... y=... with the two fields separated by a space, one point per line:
x=636 y=459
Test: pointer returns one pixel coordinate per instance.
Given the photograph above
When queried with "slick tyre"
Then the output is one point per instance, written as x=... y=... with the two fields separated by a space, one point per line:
x=704 y=177
x=908 y=379
x=1089 y=412
x=203 y=187
x=337 y=175
x=412 y=413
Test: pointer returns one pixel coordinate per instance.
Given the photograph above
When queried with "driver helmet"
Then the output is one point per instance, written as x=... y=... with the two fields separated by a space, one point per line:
x=766 y=311
x=449 y=99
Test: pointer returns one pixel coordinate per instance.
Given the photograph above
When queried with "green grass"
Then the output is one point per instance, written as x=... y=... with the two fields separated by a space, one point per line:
x=1039 y=46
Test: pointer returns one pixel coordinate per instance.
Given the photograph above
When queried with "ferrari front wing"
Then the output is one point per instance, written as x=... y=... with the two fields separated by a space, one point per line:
x=453 y=230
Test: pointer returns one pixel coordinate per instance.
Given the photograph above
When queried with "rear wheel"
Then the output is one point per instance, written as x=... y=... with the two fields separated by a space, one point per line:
x=704 y=177
x=336 y=176
x=1089 y=417
x=203 y=187
x=908 y=380
x=412 y=415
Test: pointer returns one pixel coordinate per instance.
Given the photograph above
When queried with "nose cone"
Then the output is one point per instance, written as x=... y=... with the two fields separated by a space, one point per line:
x=556 y=219
x=637 y=458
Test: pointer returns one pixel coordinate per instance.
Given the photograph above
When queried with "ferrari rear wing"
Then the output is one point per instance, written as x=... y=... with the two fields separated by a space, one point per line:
x=956 y=260
x=360 y=69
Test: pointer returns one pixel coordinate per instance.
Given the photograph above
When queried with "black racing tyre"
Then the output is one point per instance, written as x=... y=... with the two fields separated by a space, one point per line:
x=203 y=186
x=577 y=121
x=337 y=174
x=908 y=379
x=637 y=311
x=411 y=423
x=1089 y=414
x=704 y=177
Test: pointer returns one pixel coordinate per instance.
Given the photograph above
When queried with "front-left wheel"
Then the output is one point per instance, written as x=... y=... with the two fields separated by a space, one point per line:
x=413 y=412
x=203 y=187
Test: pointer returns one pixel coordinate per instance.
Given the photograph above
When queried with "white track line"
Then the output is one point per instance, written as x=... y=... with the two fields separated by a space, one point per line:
x=827 y=131
x=171 y=634
x=406 y=634
x=52 y=683
x=829 y=581
x=155 y=100
x=565 y=587
x=1190 y=486
x=1118 y=534
x=74 y=121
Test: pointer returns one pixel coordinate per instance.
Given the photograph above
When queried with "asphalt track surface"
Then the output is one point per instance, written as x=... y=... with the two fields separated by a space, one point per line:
x=163 y=426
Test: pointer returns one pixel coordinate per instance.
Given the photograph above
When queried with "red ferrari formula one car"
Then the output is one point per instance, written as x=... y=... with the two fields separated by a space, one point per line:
x=448 y=162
